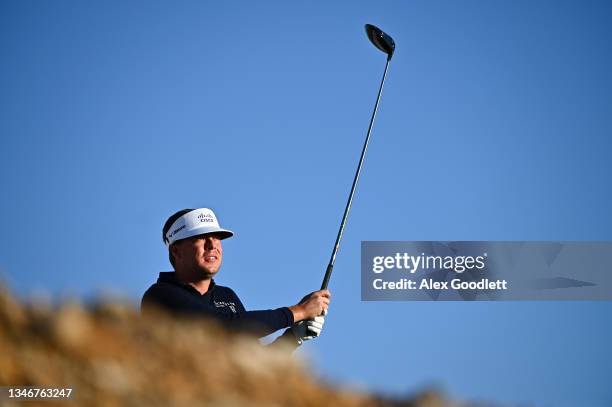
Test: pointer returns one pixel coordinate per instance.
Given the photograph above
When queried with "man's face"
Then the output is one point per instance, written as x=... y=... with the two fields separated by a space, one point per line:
x=200 y=255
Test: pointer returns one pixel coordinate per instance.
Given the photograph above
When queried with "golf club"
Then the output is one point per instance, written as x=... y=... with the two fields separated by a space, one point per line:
x=385 y=43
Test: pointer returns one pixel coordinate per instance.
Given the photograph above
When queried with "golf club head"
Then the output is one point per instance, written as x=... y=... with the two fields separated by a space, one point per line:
x=380 y=39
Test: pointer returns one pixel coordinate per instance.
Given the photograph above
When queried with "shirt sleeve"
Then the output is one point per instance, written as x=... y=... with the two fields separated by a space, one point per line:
x=260 y=322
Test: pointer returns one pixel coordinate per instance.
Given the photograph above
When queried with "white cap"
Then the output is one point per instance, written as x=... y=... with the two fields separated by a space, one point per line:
x=197 y=222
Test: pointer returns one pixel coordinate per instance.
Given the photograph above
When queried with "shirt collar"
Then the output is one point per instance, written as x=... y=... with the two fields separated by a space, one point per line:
x=170 y=277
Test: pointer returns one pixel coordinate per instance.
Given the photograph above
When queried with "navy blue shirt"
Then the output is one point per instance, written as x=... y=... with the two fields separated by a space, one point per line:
x=220 y=303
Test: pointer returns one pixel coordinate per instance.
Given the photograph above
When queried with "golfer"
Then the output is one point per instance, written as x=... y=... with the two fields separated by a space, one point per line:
x=193 y=238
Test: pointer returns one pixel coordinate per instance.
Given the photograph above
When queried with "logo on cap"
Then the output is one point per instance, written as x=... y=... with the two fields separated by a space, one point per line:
x=175 y=231
x=206 y=217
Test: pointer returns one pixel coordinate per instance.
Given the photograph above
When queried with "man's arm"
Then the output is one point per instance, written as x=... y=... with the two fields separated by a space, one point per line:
x=312 y=305
x=260 y=323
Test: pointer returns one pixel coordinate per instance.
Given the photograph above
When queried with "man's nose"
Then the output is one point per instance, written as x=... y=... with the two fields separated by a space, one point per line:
x=210 y=242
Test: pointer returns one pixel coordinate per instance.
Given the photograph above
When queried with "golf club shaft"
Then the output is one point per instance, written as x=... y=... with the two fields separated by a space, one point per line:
x=332 y=259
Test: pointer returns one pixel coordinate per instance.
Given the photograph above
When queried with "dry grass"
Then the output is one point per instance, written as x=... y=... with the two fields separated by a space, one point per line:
x=111 y=356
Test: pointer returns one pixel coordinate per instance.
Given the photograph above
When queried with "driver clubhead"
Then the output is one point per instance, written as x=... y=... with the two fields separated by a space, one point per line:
x=380 y=39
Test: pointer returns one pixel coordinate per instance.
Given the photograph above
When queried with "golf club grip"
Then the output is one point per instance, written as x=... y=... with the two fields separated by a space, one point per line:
x=328 y=273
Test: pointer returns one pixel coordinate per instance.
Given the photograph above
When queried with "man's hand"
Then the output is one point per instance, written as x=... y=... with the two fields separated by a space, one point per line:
x=309 y=329
x=312 y=305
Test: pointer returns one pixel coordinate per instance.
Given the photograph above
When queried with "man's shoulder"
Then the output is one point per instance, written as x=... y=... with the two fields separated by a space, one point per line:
x=170 y=297
x=166 y=281
x=160 y=290
x=163 y=292
x=161 y=286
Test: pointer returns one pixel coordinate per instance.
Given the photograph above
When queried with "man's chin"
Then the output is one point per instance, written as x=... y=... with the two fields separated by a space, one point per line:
x=207 y=273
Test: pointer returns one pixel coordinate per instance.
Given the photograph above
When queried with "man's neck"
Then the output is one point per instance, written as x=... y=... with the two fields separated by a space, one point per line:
x=200 y=284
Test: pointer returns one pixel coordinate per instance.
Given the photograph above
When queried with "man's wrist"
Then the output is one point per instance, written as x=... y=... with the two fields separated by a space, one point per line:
x=298 y=312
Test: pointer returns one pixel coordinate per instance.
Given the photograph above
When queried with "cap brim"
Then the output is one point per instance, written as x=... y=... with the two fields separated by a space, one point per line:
x=222 y=233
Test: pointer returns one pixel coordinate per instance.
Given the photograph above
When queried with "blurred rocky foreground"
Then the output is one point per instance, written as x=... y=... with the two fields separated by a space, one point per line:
x=111 y=356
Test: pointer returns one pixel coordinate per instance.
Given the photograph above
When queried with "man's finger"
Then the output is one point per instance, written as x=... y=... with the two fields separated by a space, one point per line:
x=315 y=324
x=314 y=331
x=325 y=293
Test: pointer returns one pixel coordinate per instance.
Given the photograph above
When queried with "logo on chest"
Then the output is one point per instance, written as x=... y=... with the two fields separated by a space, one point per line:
x=226 y=304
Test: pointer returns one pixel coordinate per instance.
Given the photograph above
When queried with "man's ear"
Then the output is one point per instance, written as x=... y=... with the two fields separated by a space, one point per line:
x=174 y=250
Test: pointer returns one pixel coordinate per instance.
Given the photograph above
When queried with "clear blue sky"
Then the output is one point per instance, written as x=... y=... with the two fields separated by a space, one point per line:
x=495 y=124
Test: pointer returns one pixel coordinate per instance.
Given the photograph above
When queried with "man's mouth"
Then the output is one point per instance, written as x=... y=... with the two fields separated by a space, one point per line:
x=210 y=258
